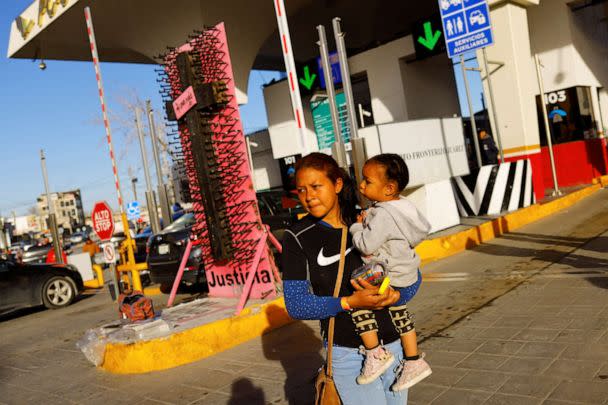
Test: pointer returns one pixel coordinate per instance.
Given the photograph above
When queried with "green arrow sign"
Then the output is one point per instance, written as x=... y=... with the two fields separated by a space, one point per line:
x=430 y=39
x=308 y=79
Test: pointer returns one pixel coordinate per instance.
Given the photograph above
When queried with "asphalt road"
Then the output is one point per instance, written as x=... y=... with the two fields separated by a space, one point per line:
x=521 y=273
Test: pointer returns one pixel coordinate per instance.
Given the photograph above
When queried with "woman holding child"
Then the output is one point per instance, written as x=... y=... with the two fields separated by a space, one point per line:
x=311 y=257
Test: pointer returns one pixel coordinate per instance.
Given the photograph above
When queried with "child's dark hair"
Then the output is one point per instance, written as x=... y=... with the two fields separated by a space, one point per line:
x=348 y=195
x=395 y=168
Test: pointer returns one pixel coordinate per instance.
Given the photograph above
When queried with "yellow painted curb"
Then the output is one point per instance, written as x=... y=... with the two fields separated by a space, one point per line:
x=197 y=343
x=152 y=290
x=439 y=248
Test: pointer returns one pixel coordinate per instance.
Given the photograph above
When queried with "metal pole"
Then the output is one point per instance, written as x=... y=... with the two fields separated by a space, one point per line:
x=290 y=68
x=541 y=87
x=358 y=152
x=163 y=201
x=52 y=215
x=471 y=113
x=125 y=224
x=496 y=128
x=346 y=85
x=331 y=93
x=150 y=201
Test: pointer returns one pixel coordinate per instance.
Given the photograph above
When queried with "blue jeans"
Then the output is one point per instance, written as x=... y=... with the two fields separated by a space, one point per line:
x=347 y=363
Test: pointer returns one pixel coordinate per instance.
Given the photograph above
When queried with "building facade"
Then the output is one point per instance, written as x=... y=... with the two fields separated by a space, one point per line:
x=68 y=209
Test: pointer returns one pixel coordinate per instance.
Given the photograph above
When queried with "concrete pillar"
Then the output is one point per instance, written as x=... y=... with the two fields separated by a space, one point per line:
x=515 y=86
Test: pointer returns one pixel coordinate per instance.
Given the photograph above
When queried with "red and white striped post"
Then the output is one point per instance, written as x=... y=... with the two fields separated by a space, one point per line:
x=106 y=122
x=290 y=68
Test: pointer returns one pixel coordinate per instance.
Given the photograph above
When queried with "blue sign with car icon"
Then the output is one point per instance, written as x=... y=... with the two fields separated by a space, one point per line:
x=466 y=25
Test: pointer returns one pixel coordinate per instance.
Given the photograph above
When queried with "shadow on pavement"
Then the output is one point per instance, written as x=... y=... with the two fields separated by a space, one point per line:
x=546 y=239
x=243 y=392
x=546 y=255
x=21 y=312
x=298 y=348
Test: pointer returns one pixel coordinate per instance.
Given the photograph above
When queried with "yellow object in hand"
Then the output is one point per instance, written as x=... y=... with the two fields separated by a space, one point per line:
x=385 y=283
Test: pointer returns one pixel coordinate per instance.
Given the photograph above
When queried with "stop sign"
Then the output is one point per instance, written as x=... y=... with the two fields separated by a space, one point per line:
x=103 y=222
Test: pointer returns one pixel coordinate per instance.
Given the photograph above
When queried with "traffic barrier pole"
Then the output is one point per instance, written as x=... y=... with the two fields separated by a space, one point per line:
x=106 y=122
x=290 y=68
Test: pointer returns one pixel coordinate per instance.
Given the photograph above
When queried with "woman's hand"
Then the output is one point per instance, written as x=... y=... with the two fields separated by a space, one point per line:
x=366 y=296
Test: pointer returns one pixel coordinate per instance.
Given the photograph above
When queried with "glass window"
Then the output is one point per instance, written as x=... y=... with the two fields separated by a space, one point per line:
x=570 y=115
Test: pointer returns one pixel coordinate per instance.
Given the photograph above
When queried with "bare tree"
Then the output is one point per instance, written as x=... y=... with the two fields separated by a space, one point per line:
x=121 y=114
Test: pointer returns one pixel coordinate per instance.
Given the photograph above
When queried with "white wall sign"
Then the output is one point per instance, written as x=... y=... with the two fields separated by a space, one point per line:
x=433 y=149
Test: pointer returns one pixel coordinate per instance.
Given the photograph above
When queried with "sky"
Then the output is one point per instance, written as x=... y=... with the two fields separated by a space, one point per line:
x=58 y=110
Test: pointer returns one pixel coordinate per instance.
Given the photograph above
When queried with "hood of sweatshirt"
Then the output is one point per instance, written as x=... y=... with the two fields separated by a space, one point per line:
x=408 y=219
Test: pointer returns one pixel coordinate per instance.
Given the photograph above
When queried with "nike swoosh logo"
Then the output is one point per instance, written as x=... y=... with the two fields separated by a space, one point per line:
x=326 y=261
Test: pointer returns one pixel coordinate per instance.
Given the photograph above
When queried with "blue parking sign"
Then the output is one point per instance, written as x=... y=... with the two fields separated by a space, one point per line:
x=133 y=210
x=466 y=25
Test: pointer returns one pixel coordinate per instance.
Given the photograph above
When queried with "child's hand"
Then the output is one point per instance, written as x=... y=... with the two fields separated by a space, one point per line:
x=361 y=217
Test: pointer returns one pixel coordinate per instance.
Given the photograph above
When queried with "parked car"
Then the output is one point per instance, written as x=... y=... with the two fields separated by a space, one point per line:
x=78 y=237
x=278 y=210
x=37 y=254
x=141 y=243
x=26 y=285
x=165 y=251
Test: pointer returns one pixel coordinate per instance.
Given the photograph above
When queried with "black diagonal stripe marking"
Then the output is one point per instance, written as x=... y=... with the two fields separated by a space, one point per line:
x=463 y=201
x=487 y=195
x=522 y=193
x=470 y=180
x=510 y=185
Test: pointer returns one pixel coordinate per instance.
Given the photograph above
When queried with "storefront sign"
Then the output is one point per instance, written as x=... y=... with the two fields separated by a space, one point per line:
x=34 y=19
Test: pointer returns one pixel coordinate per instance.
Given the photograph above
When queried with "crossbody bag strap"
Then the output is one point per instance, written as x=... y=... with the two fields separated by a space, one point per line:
x=332 y=320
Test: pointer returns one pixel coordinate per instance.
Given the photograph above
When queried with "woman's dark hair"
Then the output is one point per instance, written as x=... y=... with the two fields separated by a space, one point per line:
x=347 y=198
x=395 y=168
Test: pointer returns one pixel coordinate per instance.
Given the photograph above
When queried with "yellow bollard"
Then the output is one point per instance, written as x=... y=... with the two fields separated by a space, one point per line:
x=127 y=258
x=98 y=282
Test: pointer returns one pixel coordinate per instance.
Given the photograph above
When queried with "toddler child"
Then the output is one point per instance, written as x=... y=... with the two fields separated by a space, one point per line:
x=388 y=232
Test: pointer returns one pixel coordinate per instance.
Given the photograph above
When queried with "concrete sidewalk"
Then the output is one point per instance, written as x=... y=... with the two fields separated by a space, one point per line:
x=546 y=341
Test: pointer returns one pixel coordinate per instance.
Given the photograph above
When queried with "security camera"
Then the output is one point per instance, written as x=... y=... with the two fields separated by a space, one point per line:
x=42 y=65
